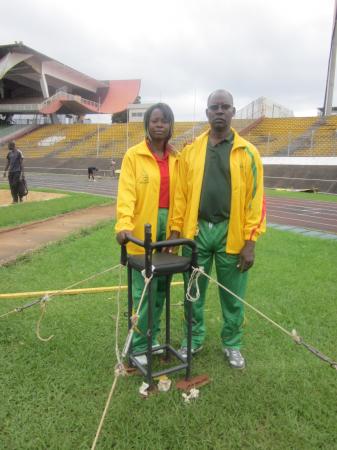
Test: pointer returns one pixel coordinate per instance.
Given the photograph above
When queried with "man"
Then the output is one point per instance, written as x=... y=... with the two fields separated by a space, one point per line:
x=219 y=202
x=113 y=168
x=15 y=171
x=91 y=173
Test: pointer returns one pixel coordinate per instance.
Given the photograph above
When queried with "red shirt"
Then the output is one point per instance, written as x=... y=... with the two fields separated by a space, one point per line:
x=163 y=163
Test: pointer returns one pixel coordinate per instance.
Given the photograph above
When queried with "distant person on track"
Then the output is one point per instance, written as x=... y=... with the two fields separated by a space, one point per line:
x=15 y=169
x=145 y=195
x=91 y=173
x=113 y=168
x=219 y=202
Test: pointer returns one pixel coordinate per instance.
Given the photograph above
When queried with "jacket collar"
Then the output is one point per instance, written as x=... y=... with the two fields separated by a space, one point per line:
x=143 y=149
x=238 y=142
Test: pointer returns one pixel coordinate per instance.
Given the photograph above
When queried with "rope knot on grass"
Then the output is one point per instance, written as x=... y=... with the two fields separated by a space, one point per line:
x=296 y=337
x=120 y=370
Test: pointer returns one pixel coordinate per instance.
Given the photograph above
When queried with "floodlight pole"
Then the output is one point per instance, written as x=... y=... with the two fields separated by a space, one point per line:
x=97 y=140
x=194 y=110
x=330 y=80
x=127 y=127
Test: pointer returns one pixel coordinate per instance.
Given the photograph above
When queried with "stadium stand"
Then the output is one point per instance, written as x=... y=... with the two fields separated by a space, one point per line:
x=70 y=149
x=322 y=140
x=49 y=140
x=33 y=83
x=295 y=136
x=308 y=136
x=276 y=137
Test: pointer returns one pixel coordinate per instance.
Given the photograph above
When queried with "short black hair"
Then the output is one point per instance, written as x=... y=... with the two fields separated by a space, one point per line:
x=167 y=113
x=220 y=91
x=11 y=145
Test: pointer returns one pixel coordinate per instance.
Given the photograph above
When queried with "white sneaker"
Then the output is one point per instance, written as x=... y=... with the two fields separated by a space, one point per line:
x=141 y=359
x=160 y=351
x=183 y=351
x=235 y=359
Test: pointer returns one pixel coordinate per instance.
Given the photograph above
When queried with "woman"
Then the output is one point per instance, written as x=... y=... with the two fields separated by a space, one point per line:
x=145 y=195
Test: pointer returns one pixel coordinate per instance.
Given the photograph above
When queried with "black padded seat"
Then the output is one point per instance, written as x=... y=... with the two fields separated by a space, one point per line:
x=163 y=263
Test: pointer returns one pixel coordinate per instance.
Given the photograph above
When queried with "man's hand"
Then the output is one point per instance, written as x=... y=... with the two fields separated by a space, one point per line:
x=123 y=236
x=173 y=235
x=247 y=256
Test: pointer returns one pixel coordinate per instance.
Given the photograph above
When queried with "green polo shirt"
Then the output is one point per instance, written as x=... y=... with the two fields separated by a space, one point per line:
x=215 y=198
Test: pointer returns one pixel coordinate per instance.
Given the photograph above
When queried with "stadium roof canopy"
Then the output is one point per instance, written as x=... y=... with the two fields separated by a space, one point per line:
x=33 y=83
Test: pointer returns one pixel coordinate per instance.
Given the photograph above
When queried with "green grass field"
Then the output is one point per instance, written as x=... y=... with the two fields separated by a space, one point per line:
x=53 y=393
x=301 y=195
x=23 y=213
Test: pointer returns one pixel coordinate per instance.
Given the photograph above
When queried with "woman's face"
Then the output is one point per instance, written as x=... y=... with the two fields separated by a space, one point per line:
x=159 y=127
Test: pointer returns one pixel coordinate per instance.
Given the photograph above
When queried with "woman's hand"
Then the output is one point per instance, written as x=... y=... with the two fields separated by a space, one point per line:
x=173 y=235
x=123 y=236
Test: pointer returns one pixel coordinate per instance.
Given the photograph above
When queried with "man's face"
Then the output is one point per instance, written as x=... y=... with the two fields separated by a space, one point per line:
x=220 y=111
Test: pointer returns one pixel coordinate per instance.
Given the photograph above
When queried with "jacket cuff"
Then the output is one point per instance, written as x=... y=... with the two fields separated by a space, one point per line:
x=251 y=235
x=175 y=228
x=120 y=226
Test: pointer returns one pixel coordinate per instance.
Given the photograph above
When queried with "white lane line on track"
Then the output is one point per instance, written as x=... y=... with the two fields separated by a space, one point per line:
x=302 y=220
x=323 y=212
x=311 y=203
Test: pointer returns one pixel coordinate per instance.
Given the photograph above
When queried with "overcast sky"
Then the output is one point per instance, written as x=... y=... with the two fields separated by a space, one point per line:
x=183 y=50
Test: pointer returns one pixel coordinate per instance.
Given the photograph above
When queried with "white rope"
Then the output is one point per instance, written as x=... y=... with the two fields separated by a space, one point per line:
x=134 y=317
x=12 y=311
x=247 y=304
x=104 y=412
x=293 y=334
x=43 y=310
x=193 y=284
x=87 y=279
x=48 y=297
x=120 y=369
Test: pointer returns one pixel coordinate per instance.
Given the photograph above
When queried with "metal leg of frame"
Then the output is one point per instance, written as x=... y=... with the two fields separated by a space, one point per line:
x=168 y=315
x=130 y=302
x=189 y=337
x=149 y=335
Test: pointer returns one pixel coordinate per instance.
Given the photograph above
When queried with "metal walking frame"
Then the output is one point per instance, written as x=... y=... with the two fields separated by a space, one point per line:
x=160 y=264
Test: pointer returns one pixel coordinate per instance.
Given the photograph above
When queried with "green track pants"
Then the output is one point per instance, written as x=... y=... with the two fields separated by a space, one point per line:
x=211 y=242
x=139 y=340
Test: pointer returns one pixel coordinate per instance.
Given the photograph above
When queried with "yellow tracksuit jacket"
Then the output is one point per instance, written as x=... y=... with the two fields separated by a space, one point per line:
x=247 y=214
x=138 y=192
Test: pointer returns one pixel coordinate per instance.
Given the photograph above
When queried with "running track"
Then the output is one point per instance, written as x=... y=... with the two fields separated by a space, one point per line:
x=309 y=214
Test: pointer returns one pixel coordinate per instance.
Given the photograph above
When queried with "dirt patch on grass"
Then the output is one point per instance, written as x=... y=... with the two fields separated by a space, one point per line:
x=29 y=237
x=6 y=198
